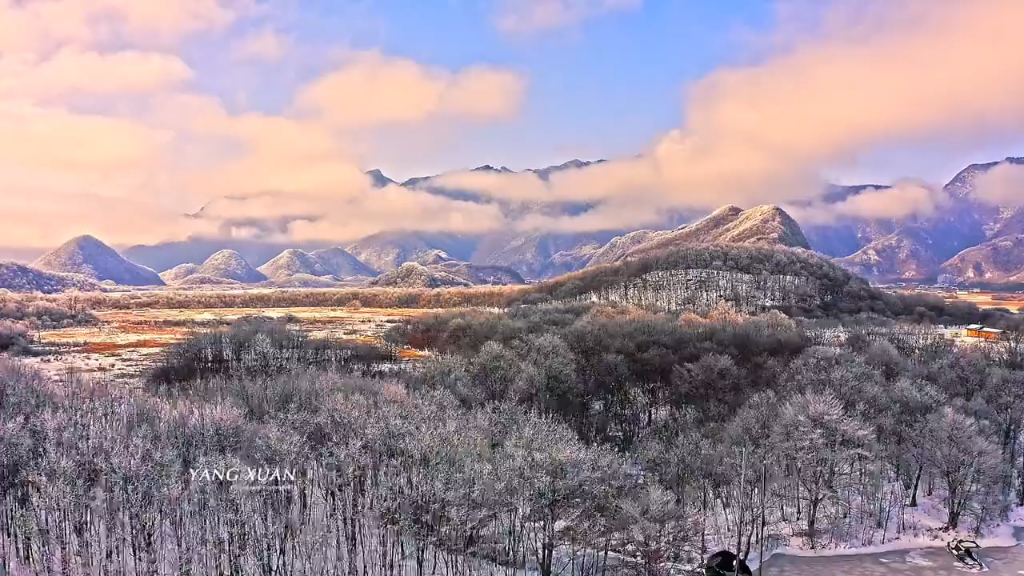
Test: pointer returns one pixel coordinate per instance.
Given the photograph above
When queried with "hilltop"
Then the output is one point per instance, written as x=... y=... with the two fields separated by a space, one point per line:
x=87 y=256
x=229 y=265
x=751 y=278
x=339 y=262
x=413 y=275
x=766 y=225
x=293 y=262
x=179 y=273
x=222 y=268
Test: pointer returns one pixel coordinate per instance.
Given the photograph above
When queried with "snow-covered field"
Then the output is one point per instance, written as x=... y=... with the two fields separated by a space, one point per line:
x=919 y=550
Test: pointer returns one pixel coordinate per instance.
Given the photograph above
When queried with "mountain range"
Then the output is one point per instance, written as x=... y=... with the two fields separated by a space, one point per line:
x=963 y=227
x=965 y=238
x=408 y=260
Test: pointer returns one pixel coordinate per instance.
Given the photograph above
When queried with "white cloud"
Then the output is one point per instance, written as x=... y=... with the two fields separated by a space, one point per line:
x=371 y=89
x=70 y=73
x=1003 y=185
x=903 y=199
x=34 y=26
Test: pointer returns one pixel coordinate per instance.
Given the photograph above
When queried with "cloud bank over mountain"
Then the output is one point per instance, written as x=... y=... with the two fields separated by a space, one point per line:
x=869 y=75
x=106 y=127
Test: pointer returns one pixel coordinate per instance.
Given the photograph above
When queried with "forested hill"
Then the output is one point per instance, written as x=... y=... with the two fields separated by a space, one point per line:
x=754 y=279
x=741 y=274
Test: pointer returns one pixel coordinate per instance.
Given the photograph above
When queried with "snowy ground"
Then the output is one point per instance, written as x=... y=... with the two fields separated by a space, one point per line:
x=919 y=551
x=920 y=562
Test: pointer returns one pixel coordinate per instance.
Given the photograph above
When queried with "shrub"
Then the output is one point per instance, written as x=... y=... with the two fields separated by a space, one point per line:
x=14 y=337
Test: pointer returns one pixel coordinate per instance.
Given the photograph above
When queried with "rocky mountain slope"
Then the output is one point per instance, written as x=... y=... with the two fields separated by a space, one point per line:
x=904 y=254
x=994 y=262
x=766 y=225
x=93 y=259
x=21 y=278
x=539 y=255
x=917 y=248
x=618 y=247
x=389 y=250
x=434 y=257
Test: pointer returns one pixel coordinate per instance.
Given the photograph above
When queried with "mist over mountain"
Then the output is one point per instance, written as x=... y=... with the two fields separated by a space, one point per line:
x=913 y=247
x=920 y=248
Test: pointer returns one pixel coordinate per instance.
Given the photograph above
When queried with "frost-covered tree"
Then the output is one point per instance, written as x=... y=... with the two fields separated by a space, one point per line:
x=965 y=461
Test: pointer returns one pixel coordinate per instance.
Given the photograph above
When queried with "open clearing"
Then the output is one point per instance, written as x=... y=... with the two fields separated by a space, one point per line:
x=125 y=342
x=989 y=300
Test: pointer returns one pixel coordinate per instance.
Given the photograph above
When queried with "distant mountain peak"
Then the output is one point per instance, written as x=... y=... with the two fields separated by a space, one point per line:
x=379 y=179
x=767 y=225
x=727 y=210
x=489 y=168
x=342 y=264
x=293 y=262
x=87 y=256
x=85 y=239
x=962 y=185
x=574 y=163
x=229 y=265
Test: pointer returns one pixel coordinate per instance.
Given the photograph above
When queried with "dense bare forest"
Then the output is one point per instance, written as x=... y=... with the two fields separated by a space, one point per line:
x=559 y=438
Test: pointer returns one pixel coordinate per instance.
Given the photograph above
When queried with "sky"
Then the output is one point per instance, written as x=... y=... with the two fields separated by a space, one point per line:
x=121 y=116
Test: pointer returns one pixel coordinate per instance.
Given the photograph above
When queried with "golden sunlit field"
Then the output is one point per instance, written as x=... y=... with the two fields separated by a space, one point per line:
x=990 y=300
x=124 y=342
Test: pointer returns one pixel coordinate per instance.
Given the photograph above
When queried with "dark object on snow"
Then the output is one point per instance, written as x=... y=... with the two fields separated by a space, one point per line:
x=963 y=550
x=725 y=563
